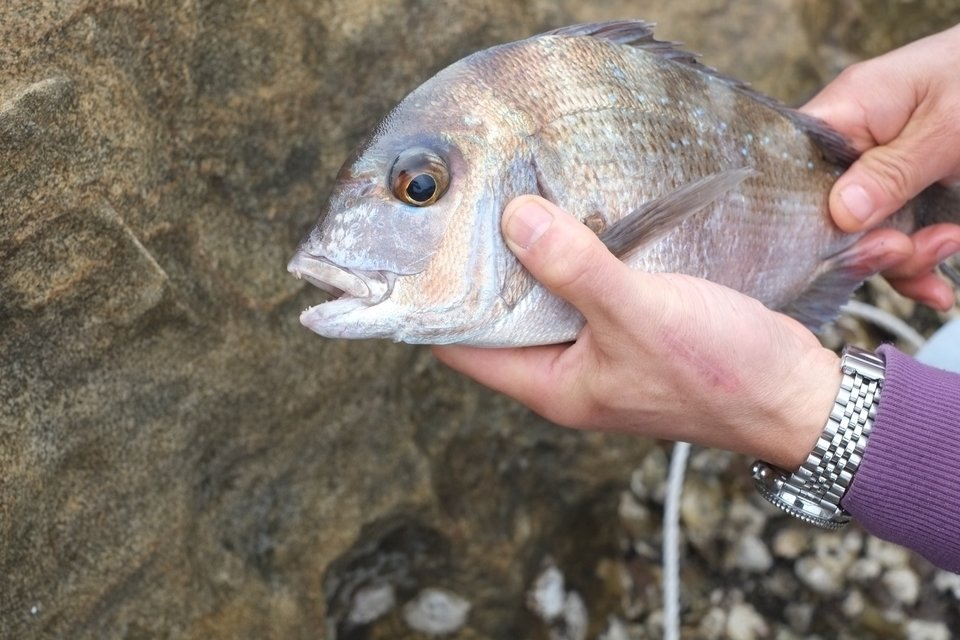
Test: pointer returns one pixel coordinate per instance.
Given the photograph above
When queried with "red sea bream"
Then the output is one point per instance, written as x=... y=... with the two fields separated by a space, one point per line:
x=676 y=167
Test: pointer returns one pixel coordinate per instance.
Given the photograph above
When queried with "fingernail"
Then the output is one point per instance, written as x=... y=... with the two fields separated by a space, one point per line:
x=857 y=201
x=947 y=249
x=527 y=224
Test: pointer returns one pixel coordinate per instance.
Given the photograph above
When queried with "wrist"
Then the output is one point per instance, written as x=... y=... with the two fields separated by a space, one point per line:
x=802 y=411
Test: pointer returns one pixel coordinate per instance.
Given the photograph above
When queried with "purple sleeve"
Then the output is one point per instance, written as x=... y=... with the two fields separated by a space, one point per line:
x=907 y=489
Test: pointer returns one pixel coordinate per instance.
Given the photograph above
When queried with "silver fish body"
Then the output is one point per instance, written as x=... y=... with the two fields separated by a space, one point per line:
x=614 y=127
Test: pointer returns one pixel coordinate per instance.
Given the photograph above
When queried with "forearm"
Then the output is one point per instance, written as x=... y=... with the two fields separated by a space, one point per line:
x=906 y=489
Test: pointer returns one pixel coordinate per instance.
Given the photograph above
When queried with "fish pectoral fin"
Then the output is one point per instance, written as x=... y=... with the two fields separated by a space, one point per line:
x=836 y=280
x=656 y=218
x=516 y=284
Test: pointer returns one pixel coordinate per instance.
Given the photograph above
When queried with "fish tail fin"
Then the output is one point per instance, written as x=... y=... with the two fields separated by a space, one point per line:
x=937 y=204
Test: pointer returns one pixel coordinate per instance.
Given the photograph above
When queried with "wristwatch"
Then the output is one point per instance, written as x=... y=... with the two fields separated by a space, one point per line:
x=814 y=491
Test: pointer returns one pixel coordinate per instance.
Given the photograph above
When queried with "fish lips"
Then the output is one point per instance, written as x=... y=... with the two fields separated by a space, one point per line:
x=352 y=289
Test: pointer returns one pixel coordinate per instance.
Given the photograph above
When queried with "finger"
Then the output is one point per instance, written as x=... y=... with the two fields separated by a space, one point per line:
x=505 y=370
x=878 y=251
x=539 y=377
x=884 y=178
x=932 y=245
x=927 y=288
x=900 y=120
x=566 y=257
x=866 y=103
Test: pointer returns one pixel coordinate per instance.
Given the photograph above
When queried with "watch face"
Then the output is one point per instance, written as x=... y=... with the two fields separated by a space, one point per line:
x=774 y=485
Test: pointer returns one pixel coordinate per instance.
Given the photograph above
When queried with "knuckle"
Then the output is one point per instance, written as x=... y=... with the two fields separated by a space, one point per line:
x=565 y=409
x=857 y=75
x=591 y=407
x=570 y=402
x=895 y=174
x=853 y=73
x=581 y=414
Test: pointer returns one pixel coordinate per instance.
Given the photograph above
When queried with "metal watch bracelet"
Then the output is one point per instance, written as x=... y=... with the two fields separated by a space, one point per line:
x=814 y=491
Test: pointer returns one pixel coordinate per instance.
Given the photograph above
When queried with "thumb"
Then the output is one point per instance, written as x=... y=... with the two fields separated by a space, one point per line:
x=565 y=256
x=884 y=178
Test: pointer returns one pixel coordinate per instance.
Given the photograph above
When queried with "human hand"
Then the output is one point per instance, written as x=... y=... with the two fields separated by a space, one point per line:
x=661 y=355
x=900 y=110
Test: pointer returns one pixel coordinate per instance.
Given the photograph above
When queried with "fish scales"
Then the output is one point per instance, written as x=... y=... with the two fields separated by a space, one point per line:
x=642 y=132
x=630 y=135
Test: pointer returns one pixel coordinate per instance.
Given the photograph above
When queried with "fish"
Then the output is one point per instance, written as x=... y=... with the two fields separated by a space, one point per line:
x=676 y=167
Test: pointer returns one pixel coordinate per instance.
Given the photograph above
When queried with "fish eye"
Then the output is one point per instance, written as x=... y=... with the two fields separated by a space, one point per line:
x=421 y=188
x=419 y=177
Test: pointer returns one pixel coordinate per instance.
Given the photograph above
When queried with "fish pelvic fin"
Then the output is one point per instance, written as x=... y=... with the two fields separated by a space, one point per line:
x=656 y=218
x=841 y=274
x=836 y=280
x=639 y=34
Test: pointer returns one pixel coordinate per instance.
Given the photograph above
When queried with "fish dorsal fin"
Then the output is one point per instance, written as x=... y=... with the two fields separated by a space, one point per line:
x=632 y=33
x=639 y=34
x=635 y=33
x=659 y=216
x=833 y=146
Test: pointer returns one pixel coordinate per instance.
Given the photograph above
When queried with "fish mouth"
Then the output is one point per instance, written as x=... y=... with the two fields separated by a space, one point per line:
x=344 y=285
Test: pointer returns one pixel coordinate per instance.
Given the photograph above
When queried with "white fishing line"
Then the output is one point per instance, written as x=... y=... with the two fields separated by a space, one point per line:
x=671 y=541
x=884 y=320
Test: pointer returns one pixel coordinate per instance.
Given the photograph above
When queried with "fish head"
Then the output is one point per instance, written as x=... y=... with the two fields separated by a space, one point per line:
x=409 y=244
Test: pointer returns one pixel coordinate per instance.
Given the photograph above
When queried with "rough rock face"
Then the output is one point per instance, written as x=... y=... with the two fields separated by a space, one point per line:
x=178 y=457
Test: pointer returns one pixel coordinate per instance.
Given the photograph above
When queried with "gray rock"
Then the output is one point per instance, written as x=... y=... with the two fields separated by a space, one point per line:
x=713 y=624
x=948 y=582
x=436 y=612
x=790 y=542
x=819 y=575
x=615 y=630
x=563 y=611
x=712 y=461
x=575 y=619
x=702 y=509
x=854 y=604
x=833 y=554
x=649 y=480
x=752 y=555
x=744 y=623
x=747 y=517
x=371 y=603
x=903 y=584
x=889 y=555
x=927 y=630
x=634 y=515
x=865 y=570
x=799 y=615
x=548 y=594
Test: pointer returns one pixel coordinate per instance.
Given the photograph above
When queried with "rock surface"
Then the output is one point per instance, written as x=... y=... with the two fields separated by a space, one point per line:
x=178 y=457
